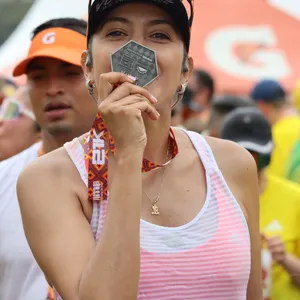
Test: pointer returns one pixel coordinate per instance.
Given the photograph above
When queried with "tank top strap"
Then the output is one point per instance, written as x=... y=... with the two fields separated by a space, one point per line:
x=76 y=154
x=204 y=151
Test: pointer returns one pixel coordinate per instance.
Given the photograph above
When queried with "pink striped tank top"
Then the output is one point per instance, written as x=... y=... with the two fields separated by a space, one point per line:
x=208 y=258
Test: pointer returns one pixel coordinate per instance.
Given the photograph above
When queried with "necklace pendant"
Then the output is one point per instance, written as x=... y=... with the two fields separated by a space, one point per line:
x=155 y=210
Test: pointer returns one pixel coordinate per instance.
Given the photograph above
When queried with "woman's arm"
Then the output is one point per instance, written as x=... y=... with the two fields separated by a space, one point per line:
x=65 y=249
x=113 y=271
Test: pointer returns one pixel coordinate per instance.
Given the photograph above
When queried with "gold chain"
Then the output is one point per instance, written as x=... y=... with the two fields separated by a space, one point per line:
x=154 y=206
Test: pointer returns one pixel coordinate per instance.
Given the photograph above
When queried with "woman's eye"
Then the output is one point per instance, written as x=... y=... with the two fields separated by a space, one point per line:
x=160 y=36
x=116 y=33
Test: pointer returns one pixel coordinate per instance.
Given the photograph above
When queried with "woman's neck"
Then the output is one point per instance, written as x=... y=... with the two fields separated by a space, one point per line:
x=157 y=139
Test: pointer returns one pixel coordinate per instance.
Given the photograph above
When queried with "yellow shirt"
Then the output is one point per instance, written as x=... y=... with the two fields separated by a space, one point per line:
x=285 y=134
x=280 y=215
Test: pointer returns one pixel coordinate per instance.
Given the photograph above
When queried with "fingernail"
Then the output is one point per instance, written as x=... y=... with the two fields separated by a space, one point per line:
x=132 y=78
x=158 y=114
x=154 y=99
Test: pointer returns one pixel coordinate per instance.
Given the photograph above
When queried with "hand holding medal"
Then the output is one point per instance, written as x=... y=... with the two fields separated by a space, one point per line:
x=119 y=123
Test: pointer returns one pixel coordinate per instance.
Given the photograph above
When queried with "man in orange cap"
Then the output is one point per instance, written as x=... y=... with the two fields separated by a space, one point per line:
x=64 y=110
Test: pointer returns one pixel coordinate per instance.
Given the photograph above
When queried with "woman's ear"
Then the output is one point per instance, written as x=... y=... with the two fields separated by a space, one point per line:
x=86 y=64
x=187 y=74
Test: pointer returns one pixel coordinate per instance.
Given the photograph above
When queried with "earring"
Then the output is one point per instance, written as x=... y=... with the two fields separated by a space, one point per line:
x=180 y=91
x=90 y=85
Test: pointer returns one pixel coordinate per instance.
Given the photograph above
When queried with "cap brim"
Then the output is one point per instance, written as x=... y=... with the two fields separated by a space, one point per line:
x=266 y=148
x=175 y=9
x=68 y=55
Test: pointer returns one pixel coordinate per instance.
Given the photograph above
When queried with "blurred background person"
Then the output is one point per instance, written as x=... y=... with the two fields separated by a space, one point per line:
x=198 y=95
x=64 y=110
x=221 y=106
x=293 y=167
x=272 y=100
x=18 y=128
x=279 y=206
x=7 y=88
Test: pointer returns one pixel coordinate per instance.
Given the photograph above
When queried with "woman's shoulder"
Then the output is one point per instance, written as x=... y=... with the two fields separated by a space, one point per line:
x=233 y=160
x=231 y=157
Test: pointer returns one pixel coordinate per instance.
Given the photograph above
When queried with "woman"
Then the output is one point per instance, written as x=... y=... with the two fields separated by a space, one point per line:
x=179 y=231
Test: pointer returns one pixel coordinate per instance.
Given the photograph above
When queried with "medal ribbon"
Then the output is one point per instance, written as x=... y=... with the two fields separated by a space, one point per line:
x=97 y=145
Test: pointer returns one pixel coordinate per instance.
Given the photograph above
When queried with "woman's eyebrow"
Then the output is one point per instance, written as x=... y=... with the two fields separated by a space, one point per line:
x=159 y=22
x=126 y=21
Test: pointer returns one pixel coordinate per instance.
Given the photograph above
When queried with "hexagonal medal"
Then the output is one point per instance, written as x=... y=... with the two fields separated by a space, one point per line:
x=136 y=60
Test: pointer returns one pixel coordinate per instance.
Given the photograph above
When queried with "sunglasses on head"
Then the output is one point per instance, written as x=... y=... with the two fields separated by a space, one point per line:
x=11 y=109
x=262 y=160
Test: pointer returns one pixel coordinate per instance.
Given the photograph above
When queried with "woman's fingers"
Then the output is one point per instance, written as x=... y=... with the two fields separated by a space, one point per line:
x=114 y=86
x=127 y=89
x=108 y=81
x=130 y=104
x=146 y=108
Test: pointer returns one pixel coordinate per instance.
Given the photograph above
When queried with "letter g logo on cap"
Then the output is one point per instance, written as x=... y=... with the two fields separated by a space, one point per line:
x=49 y=38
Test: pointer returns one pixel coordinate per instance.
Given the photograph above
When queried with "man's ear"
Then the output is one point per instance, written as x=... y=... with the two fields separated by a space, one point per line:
x=187 y=74
x=86 y=65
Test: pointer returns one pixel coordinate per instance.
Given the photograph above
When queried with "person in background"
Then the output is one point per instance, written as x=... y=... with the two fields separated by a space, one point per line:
x=296 y=96
x=279 y=206
x=220 y=107
x=63 y=109
x=271 y=99
x=7 y=88
x=18 y=128
x=198 y=95
x=293 y=166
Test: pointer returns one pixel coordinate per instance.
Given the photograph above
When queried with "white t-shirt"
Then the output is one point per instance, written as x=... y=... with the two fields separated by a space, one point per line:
x=20 y=276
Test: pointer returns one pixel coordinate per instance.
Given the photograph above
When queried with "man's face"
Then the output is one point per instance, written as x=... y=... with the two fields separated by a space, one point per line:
x=59 y=97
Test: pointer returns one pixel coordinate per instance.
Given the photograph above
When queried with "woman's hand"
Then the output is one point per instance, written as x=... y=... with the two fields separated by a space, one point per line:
x=122 y=108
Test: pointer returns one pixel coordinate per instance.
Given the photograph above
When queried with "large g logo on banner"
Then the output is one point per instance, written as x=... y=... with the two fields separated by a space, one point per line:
x=249 y=52
x=49 y=38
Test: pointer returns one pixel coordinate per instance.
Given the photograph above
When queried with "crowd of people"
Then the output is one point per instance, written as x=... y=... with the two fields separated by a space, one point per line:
x=200 y=194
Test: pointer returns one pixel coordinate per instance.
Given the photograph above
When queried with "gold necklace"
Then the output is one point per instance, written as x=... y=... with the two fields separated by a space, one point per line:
x=154 y=206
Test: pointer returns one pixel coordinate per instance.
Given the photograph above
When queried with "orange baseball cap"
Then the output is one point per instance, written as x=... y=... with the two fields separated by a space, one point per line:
x=59 y=43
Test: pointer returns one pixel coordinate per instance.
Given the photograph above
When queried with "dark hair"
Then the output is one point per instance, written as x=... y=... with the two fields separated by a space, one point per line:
x=205 y=80
x=74 y=24
x=89 y=57
x=223 y=105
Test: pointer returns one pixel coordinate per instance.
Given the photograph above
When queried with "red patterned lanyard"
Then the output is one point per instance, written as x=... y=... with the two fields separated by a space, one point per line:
x=96 y=148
